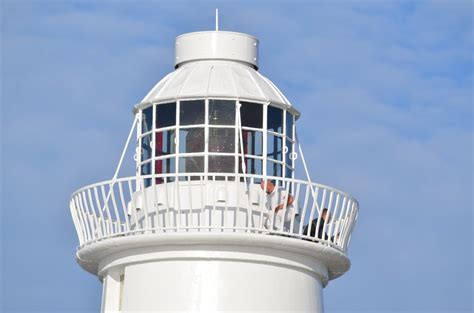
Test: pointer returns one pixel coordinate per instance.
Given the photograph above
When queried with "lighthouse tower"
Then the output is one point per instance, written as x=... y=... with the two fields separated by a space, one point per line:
x=215 y=218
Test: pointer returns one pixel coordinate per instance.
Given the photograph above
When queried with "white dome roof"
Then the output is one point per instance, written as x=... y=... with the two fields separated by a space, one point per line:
x=217 y=79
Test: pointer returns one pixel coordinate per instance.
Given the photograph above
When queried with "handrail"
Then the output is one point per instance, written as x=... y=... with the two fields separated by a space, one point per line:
x=198 y=202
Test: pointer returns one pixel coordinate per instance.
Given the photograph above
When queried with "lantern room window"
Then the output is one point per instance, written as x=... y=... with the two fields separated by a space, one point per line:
x=203 y=136
x=165 y=115
x=274 y=147
x=192 y=164
x=275 y=119
x=146 y=147
x=191 y=112
x=191 y=140
x=289 y=126
x=147 y=120
x=221 y=164
x=253 y=142
x=222 y=140
x=222 y=112
x=251 y=114
x=165 y=142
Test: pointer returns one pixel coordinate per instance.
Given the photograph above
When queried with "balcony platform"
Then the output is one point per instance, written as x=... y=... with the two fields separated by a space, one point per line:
x=206 y=215
x=298 y=254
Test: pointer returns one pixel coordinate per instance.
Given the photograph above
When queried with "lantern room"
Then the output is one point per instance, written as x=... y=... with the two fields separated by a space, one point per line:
x=207 y=136
x=201 y=117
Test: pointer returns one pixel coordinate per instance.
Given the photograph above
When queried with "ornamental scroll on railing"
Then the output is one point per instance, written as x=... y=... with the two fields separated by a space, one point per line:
x=170 y=203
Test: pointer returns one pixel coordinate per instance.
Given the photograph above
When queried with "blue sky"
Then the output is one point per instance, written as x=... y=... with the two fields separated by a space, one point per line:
x=386 y=95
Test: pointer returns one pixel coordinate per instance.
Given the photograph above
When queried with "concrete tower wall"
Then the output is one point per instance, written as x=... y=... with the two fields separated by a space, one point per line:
x=215 y=273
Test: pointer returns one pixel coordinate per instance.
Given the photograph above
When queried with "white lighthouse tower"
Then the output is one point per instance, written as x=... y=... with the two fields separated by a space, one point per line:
x=215 y=219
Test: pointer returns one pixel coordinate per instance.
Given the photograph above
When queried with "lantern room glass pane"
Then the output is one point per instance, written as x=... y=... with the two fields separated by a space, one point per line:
x=253 y=142
x=289 y=149
x=221 y=139
x=289 y=125
x=147 y=120
x=221 y=112
x=191 y=140
x=191 y=112
x=275 y=119
x=165 y=166
x=165 y=142
x=145 y=169
x=194 y=164
x=146 y=147
x=165 y=115
x=221 y=164
x=274 y=147
x=251 y=114
x=253 y=166
x=274 y=169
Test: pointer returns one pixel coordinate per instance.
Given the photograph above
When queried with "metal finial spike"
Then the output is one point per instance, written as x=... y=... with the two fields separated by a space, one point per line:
x=217 y=19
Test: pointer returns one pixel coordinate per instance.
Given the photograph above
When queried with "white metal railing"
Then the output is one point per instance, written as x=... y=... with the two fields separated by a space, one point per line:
x=159 y=204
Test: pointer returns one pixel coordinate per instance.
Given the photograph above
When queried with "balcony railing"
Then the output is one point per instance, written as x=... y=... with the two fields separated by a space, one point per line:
x=170 y=203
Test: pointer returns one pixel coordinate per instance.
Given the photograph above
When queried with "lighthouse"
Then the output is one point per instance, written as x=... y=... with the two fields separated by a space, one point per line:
x=215 y=218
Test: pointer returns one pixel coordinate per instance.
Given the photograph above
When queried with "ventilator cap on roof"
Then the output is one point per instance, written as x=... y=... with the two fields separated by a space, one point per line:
x=216 y=45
